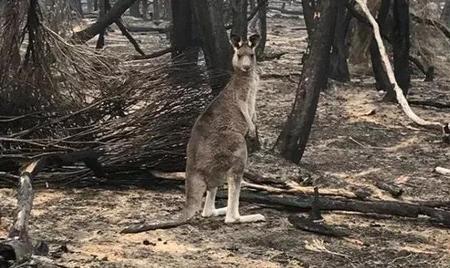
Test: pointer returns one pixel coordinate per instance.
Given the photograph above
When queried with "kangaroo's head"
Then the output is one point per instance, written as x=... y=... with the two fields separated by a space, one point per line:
x=244 y=58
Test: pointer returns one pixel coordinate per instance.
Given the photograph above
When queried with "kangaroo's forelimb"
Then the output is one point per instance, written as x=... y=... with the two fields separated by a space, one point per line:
x=248 y=118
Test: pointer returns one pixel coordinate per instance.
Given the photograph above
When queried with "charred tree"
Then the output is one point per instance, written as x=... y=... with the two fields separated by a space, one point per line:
x=167 y=9
x=338 y=61
x=145 y=9
x=214 y=41
x=239 y=10
x=262 y=18
x=293 y=138
x=445 y=16
x=400 y=47
x=310 y=7
x=251 y=4
x=103 y=6
x=156 y=10
x=381 y=78
x=183 y=41
x=76 y=6
x=135 y=9
x=90 y=6
x=13 y=11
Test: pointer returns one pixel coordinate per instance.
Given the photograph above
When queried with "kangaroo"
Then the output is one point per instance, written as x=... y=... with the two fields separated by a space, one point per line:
x=217 y=150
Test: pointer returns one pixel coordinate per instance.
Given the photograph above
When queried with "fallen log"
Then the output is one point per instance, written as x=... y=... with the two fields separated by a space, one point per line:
x=112 y=16
x=394 y=190
x=153 y=55
x=393 y=208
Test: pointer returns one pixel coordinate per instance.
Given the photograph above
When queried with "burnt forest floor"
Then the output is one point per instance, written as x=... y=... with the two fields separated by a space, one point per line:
x=356 y=140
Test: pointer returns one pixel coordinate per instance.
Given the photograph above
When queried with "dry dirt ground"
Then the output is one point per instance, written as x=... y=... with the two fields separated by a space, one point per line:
x=356 y=140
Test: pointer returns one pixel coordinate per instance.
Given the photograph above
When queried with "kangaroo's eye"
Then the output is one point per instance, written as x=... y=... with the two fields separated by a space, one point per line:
x=239 y=56
x=252 y=55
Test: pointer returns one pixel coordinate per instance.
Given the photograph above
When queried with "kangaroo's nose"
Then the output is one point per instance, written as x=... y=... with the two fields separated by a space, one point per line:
x=245 y=67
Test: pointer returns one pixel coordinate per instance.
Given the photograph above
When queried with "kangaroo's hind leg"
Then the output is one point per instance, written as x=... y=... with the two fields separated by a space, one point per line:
x=210 y=207
x=232 y=214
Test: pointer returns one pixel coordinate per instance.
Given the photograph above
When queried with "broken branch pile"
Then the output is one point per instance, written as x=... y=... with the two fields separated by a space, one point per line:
x=60 y=100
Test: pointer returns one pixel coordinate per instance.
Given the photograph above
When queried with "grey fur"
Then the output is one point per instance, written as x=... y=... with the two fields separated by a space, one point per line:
x=217 y=150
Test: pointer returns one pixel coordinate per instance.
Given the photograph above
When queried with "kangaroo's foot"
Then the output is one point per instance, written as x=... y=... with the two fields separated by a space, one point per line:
x=214 y=212
x=245 y=218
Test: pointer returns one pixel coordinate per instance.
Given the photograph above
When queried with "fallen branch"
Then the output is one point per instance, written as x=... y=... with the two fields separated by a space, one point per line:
x=318 y=227
x=277 y=55
x=400 y=97
x=112 y=16
x=153 y=55
x=288 y=187
x=442 y=171
x=130 y=38
x=430 y=103
x=438 y=24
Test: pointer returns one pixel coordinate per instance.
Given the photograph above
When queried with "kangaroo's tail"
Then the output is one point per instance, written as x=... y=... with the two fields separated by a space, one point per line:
x=195 y=188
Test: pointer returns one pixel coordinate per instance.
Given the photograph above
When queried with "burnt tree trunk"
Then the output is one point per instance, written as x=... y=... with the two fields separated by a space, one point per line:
x=400 y=47
x=183 y=40
x=251 y=3
x=90 y=6
x=445 y=16
x=209 y=17
x=239 y=9
x=381 y=78
x=103 y=5
x=262 y=18
x=114 y=14
x=156 y=10
x=145 y=9
x=12 y=14
x=167 y=9
x=76 y=6
x=293 y=138
x=135 y=9
x=309 y=9
x=338 y=61
x=95 y=5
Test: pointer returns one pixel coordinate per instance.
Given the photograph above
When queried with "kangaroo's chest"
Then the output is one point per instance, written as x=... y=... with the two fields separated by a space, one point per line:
x=251 y=96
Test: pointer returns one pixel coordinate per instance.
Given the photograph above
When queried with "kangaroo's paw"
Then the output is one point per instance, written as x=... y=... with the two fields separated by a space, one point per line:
x=214 y=212
x=246 y=218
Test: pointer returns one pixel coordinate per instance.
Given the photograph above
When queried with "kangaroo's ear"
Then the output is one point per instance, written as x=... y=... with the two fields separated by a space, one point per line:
x=254 y=40
x=235 y=41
